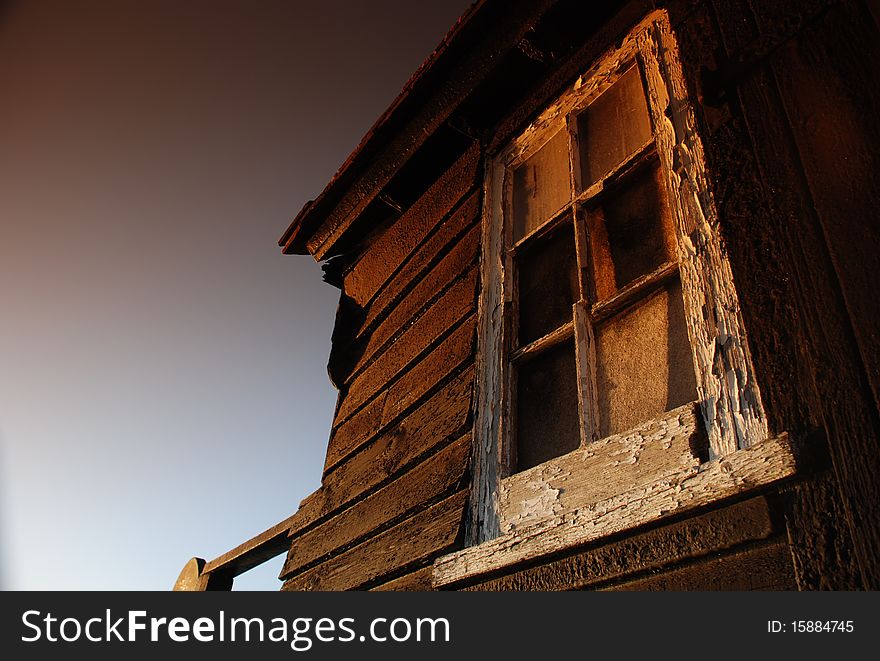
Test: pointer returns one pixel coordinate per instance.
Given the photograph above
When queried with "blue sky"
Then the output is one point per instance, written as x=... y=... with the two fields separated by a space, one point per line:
x=163 y=387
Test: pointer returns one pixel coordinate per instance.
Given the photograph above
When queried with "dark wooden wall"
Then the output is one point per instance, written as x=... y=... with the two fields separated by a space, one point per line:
x=395 y=479
x=791 y=128
x=788 y=103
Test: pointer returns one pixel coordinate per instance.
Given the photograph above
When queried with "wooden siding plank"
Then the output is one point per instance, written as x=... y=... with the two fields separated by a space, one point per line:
x=418 y=300
x=416 y=581
x=457 y=348
x=407 y=391
x=695 y=537
x=355 y=431
x=445 y=415
x=821 y=547
x=391 y=248
x=421 y=261
x=451 y=308
x=422 y=536
x=422 y=484
x=767 y=567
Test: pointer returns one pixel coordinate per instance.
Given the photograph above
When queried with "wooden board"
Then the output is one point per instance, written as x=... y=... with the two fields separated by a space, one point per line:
x=458 y=301
x=419 y=299
x=426 y=534
x=391 y=248
x=691 y=538
x=426 y=375
x=416 y=581
x=457 y=348
x=442 y=417
x=765 y=567
x=445 y=238
x=807 y=349
x=822 y=556
x=424 y=483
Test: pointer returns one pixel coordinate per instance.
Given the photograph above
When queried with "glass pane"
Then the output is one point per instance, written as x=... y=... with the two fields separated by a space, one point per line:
x=643 y=362
x=547 y=407
x=636 y=236
x=612 y=127
x=547 y=272
x=541 y=186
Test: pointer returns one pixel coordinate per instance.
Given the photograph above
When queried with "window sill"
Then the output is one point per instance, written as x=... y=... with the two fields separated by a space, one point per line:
x=569 y=501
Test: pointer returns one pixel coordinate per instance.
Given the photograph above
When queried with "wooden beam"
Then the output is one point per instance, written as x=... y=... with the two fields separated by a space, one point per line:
x=257 y=550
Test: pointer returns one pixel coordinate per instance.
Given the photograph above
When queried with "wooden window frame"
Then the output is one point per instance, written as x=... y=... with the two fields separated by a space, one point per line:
x=697 y=454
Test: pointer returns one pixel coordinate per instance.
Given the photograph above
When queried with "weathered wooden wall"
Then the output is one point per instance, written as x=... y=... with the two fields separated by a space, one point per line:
x=790 y=121
x=788 y=106
x=395 y=479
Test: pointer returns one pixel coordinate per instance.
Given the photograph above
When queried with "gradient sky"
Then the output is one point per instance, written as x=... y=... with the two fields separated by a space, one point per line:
x=163 y=387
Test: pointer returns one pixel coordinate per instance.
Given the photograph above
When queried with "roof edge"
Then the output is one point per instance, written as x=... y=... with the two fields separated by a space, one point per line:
x=293 y=240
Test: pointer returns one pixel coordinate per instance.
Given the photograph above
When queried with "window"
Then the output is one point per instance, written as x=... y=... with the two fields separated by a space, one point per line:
x=599 y=341
x=614 y=380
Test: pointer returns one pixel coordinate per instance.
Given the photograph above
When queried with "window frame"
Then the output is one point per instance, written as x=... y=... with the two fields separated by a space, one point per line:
x=728 y=414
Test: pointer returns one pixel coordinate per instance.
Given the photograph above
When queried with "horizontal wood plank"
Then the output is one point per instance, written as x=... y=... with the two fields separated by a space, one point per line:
x=458 y=301
x=442 y=417
x=596 y=471
x=456 y=349
x=421 y=261
x=393 y=246
x=422 y=536
x=416 y=581
x=354 y=432
x=698 y=536
x=423 y=483
x=739 y=472
x=767 y=567
x=417 y=301
x=420 y=380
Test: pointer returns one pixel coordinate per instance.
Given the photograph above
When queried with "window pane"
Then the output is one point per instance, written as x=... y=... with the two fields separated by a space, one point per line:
x=613 y=127
x=547 y=272
x=541 y=185
x=636 y=236
x=547 y=406
x=644 y=364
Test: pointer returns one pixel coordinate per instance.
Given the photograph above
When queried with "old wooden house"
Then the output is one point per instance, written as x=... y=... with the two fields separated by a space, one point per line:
x=608 y=316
